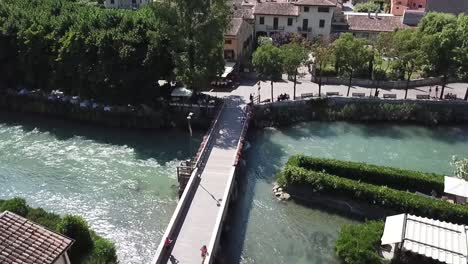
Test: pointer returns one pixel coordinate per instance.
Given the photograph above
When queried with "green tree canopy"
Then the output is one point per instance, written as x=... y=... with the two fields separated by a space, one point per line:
x=295 y=55
x=351 y=54
x=268 y=63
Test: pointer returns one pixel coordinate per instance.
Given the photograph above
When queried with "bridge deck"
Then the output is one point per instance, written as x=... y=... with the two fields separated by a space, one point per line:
x=199 y=224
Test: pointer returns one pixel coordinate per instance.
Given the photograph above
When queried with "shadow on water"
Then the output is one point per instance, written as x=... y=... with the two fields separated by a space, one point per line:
x=163 y=146
x=260 y=166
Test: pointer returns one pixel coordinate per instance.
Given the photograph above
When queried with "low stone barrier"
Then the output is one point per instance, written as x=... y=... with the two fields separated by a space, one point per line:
x=381 y=84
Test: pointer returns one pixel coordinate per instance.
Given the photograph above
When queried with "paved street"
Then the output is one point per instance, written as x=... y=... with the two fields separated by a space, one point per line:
x=306 y=86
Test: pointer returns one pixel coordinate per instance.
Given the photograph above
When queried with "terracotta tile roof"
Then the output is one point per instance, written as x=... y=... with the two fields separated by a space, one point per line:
x=447 y=6
x=241 y=12
x=24 y=242
x=234 y=26
x=276 y=9
x=316 y=2
x=376 y=24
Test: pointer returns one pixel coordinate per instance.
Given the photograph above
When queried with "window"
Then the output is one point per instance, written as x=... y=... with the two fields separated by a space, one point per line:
x=112 y=2
x=134 y=2
x=227 y=41
x=420 y=6
x=290 y=20
x=262 y=20
x=323 y=9
x=322 y=23
x=306 y=9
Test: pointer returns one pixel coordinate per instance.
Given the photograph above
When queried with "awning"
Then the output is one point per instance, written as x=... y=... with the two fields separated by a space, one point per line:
x=181 y=92
x=393 y=232
x=456 y=186
x=228 y=68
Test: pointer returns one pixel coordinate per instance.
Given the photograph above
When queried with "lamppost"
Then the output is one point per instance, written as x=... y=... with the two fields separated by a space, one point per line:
x=189 y=118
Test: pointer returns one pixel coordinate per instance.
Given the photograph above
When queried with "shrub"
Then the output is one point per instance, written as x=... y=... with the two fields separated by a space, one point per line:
x=366 y=7
x=76 y=228
x=104 y=252
x=395 y=200
x=358 y=244
x=16 y=205
x=392 y=177
x=46 y=219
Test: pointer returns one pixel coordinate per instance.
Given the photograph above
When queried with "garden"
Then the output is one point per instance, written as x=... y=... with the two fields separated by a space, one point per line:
x=394 y=190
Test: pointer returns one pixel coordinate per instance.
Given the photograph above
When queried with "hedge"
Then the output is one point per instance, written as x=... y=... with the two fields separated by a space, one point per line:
x=358 y=244
x=399 y=201
x=88 y=246
x=380 y=175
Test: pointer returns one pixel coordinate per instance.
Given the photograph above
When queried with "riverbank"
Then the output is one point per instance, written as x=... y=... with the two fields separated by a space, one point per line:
x=422 y=112
x=144 y=117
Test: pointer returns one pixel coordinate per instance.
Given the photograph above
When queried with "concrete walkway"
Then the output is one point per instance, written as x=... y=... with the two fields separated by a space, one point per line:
x=199 y=225
x=306 y=86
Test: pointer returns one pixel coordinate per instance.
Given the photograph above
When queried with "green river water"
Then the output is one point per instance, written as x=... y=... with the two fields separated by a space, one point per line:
x=124 y=182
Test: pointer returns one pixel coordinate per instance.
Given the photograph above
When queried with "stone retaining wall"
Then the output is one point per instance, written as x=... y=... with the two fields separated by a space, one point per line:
x=426 y=112
x=164 y=117
x=381 y=84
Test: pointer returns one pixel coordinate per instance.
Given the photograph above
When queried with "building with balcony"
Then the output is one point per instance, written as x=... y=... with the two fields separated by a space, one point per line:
x=309 y=18
x=125 y=4
x=398 y=7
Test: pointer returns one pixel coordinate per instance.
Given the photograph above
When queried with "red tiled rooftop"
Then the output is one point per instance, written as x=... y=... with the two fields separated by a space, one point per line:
x=276 y=9
x=23 y=241
x=316 y=2
x=377 y=24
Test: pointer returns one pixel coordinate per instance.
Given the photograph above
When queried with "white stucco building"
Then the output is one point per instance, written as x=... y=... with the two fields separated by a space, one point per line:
x=309 y=18
x=125 y=4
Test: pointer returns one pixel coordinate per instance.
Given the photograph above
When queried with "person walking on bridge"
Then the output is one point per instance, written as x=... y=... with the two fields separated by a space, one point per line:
x=204 y=253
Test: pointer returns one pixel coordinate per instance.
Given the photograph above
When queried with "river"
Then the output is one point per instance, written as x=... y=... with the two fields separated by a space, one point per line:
x=124 y=182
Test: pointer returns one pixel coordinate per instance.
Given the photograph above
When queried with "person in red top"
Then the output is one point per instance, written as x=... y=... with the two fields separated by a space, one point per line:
x=204 y=252
x=167 y=242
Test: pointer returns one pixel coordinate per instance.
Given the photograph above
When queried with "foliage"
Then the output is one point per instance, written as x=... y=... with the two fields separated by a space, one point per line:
x=268 y=62
x=16 y=205
x=323 y=54
x=265 y=41
x=367 y=7
x=351 y=55
x=379 y=175
x=358 y=244
x=294 y=55
x=76 y=227
x=395 y=200
x=113 y=56
x=104 y=252
x=87 y=248
x=460 y=167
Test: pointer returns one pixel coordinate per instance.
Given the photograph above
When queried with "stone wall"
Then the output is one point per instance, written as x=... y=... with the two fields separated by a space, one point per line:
x=381 y=84
x=425 y=112
x=164 y=117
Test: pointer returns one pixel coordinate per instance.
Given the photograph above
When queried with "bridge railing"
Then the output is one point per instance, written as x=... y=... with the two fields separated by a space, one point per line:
x=162 y=253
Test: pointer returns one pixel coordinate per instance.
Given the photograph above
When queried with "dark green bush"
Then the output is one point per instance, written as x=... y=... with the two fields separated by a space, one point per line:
x=104 y=252
x=392 y=177
x=366 y=7
x=40 y=216
x=358 y=244
x=16 y=205
x=76 y=228
x=399 y=201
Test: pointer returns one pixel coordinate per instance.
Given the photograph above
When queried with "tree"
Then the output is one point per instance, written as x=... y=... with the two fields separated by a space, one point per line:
x=461 y=167
x=323 y=54
x=410 y=57
x=384 y=47
x=75 y=227
x=367 y=7
x=199 y=58
x=440 y=40
x=268 y=62
x=294 y=56
x=462 y=50
x=351 y=54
